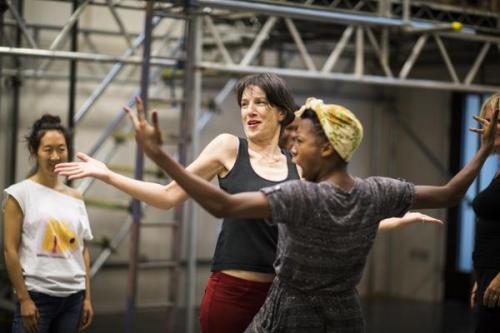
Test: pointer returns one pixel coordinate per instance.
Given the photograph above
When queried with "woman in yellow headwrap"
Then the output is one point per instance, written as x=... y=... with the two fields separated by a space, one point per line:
x=327 y=223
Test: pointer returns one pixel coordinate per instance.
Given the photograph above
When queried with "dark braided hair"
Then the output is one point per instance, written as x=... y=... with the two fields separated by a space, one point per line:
x=45 y=123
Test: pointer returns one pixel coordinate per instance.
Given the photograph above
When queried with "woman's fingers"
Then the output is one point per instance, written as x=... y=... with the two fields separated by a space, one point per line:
x=140 y=108
x=67 y=168
x=30 y=323
x=156 y=126
x=480 y=120
x=83 y=157
x=477 y=130
x=131 y=116
x=433 y=220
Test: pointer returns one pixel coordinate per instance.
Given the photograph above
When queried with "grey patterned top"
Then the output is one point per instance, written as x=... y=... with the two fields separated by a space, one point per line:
x=325 y=235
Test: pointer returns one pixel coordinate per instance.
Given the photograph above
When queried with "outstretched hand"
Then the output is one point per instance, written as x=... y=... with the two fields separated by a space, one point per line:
x=417 y=217
x=488 y=128
x=147 y=136
x=407 y=219
x=88 y=167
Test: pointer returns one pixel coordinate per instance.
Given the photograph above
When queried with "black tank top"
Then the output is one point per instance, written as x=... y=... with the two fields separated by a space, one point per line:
x=247 y=244
x=486 y=253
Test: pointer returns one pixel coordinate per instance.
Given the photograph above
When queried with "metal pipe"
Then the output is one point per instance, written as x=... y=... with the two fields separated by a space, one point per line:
x=300 y=44
x=139 y=171
x=61 y=37
x=65 y=55
x=192 y=97
x=359 y=61
x=259 y=39
x=108 y=131
x=477 y=63
x=419 y=45
x=30 y=74
x=308 y=13
x=119 y=22
x=106 y=253
x=334 y=56
x=87 y=31
x=218 y=40
x=380 y=55
x=115 y=70
x=344 y=77
x=21 y=24
x=406 y=12
x=446 y=58
x=247 y=59
x=73 y=67
x=8 y=146
x=16 y=85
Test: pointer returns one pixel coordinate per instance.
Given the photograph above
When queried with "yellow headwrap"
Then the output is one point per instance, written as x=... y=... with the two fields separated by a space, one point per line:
x=342 y=128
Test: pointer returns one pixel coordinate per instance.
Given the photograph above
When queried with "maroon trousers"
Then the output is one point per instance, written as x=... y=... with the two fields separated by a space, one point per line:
x=230 y=303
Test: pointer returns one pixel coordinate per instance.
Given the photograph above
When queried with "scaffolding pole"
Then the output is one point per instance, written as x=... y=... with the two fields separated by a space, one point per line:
x=192 y=98
x=139 y=170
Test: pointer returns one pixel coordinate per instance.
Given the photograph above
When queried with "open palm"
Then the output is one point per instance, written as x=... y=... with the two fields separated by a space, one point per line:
x=88 y=167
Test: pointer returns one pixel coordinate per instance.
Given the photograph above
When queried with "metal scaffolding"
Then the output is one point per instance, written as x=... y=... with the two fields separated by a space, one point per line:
x=385 y=42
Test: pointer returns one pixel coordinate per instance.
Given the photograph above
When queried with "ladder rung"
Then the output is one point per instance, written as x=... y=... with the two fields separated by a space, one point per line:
x=157 y=100
x=149 y=306
x=159 y=225
x=158 y=173
x=168 y=138
x=119 y=205
x=152 y=264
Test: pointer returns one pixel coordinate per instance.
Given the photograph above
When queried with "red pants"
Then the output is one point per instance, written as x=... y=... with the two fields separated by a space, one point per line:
x=230 y=303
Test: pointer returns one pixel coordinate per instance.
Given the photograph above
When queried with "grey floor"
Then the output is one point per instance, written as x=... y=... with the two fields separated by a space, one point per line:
x=382 y=316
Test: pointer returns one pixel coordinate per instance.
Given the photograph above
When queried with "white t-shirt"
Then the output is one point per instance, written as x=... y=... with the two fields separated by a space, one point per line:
x=51 y=249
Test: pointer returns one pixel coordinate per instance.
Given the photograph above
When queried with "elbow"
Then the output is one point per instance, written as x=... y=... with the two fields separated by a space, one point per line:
x=162 y=205
x=450 y=197
x=454 y=200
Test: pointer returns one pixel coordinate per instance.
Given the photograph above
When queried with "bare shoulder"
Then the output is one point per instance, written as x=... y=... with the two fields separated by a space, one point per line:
x=222 y=152
x=73 y=193
x=224 y=145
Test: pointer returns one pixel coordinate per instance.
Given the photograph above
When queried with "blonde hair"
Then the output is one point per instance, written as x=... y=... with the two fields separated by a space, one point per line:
x=489 y=102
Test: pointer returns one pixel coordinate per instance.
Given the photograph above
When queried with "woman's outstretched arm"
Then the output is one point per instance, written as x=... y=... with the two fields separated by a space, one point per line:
x=451 y=193
x=210 y=197
x=211 y=161
x=409 y=218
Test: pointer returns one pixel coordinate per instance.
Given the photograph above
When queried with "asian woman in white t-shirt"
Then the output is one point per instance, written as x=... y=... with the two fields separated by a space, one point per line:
x=46 y=226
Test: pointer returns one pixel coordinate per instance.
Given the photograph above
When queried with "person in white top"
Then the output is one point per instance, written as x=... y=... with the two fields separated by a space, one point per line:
x=46 y=226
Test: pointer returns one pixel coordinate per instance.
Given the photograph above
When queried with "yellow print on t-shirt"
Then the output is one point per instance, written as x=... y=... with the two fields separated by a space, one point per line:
x=59 y=239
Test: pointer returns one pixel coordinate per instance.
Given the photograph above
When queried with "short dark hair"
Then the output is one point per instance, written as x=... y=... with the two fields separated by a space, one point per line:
x=318 y=129
x=45 y=123
x=276 y=90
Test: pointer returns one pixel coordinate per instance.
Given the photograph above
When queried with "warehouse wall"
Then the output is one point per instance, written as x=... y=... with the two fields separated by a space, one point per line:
x=405 y=263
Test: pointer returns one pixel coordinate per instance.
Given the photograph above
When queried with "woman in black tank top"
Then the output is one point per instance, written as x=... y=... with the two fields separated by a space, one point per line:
x=242 y=266
x=485 y=297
